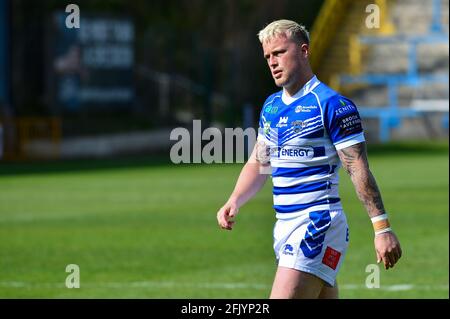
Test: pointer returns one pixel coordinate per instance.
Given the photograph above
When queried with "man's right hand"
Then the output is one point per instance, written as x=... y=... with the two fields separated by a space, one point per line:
x=226 y=214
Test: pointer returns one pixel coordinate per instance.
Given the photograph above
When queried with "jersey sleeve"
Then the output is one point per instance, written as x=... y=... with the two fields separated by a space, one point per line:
x=262 y=130
x=343 y=123
x=264 y=125
x=261 y=125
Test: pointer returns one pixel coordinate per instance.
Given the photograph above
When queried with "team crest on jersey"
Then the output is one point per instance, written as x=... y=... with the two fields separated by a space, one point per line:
x=298 y=125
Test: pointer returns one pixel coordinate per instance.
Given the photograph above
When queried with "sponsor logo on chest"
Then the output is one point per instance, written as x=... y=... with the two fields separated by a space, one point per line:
x=283 y=122
x=271 y=109
x=305 y=108
x=293 y=152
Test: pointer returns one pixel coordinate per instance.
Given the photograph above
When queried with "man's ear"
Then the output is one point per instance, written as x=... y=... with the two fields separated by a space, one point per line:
x=305 y=50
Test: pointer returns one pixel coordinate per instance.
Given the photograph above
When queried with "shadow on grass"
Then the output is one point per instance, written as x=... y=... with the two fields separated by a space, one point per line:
x=163 y=160
x=409 y=148
x=61 y=166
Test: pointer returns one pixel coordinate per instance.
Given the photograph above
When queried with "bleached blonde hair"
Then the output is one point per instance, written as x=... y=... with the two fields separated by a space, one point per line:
x=291 y=29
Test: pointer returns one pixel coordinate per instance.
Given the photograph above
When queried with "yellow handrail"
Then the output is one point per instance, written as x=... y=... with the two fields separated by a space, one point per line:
x=386 y=26
x=355 y=54
x=325 y=27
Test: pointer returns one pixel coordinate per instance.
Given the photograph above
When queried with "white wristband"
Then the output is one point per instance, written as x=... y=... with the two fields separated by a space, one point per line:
x=378 y=218
x=383 y=231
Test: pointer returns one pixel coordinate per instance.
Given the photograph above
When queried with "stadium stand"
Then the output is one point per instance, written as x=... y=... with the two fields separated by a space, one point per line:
x=396 y=73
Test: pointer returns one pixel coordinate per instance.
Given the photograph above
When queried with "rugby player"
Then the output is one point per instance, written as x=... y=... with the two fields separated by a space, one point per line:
x=306 y=132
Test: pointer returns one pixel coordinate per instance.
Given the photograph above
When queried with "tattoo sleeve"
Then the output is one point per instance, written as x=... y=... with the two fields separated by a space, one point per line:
x=354 y=160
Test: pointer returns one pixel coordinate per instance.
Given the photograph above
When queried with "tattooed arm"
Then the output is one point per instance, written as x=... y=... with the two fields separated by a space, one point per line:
x=354 y=160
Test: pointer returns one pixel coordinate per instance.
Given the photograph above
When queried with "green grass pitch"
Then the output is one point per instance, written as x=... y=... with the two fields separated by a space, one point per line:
x=140 y=229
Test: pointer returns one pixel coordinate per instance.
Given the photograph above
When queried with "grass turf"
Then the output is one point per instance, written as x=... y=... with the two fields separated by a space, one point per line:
x=140 y=229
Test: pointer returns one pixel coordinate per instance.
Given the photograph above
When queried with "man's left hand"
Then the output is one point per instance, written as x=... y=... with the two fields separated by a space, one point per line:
x=388 y=249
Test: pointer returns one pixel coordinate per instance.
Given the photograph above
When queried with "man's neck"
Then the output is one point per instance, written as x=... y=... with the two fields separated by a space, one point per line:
x=292 y=90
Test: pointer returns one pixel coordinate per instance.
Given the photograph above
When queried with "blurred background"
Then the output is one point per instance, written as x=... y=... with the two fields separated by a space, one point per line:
x=131 y=72
x=135 y=70
x=85 y=119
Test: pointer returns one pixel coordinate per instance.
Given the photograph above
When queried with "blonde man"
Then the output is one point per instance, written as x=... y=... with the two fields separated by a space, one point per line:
x=307 y=131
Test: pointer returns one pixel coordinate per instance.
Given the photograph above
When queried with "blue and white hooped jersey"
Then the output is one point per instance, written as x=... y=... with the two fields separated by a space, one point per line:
x=303 y=133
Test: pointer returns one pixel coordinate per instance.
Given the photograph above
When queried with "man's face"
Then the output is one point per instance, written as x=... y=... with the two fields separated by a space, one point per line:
x=284 y=58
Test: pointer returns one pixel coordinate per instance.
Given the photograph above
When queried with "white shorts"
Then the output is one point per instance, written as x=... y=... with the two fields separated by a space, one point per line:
x=314 y=242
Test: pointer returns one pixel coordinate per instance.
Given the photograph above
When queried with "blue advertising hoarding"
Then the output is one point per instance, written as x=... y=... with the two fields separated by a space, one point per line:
x=93 y=65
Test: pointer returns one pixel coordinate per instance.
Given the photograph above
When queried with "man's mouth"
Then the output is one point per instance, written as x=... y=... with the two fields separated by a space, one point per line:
x=277 y=74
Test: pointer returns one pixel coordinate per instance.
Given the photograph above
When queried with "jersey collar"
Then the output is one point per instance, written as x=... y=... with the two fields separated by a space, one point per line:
x=308 y=87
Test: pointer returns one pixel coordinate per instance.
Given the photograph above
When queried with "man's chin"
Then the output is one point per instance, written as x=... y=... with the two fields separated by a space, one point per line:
x=280 y=83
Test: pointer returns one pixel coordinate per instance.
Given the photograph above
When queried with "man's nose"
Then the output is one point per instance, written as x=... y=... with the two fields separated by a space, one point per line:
x=272 y=61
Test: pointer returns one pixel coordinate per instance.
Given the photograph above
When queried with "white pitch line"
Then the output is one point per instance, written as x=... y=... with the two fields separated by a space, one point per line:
x=168 y=284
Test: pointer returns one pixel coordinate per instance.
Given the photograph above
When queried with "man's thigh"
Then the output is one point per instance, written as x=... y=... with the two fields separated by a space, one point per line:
x=329 y=292
x=294 y=284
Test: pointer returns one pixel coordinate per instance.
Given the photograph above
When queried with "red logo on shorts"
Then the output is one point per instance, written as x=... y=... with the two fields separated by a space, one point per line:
x=331 y=258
